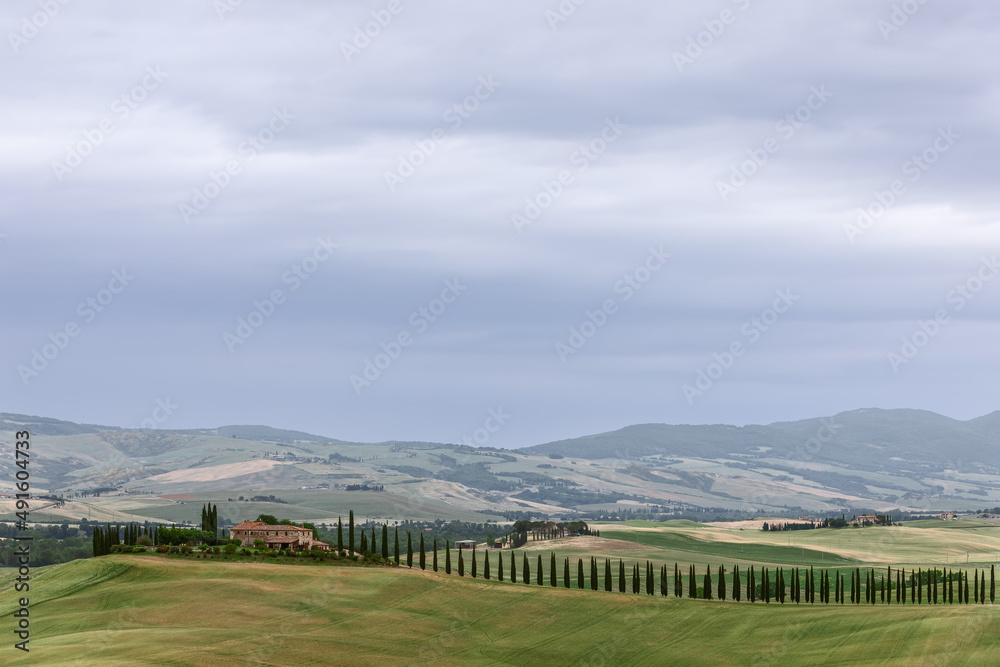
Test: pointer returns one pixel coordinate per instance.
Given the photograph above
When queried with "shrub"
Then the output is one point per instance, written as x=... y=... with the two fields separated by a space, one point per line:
x=175 y=550
x=145 y=540
x=231 y=548
x=163 y=549
x=186 y=550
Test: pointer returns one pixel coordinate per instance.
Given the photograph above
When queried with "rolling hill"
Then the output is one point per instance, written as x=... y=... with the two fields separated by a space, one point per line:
x=861 y=460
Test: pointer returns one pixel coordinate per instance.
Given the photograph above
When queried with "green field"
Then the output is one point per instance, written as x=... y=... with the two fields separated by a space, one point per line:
x=145 y=610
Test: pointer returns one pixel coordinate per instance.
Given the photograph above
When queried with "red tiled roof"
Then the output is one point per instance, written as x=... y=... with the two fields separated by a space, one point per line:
x=260 y=525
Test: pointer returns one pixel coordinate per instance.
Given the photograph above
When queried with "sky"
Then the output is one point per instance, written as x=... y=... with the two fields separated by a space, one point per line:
x=504 y=223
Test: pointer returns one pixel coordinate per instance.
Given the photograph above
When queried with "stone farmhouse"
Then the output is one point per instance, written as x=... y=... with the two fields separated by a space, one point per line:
x=292 y=538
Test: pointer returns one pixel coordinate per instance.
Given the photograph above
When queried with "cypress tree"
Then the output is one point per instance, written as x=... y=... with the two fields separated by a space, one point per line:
x=663 y=580
x=975 y=587
x=541 y=575
x=409 y=553
x=883 y=589
x=752 y=585
x=385 y=541
x=350 y=531
x=935 y=585
x=397 y=545
x=650 y=583
x=692 y=584
x=736 y=583
x=486 y=565
x=525 y=568
x=966 y=573
x=707 y=583
x=836 y=589
x=364 y=542
x=678 y=586
x=607 y=576
x=579 y=573
x=950 y=595
x=593 y=574
x=635 y=578
x=920 y=586
x=447 y=557
x=566 y=572
x=423 y=554
x=722 y=584
x=552 y=569
x=340 y=535
x=993 y=585
x=621 y=576
x=913 y=587
x=513 y=569
x=373 y=545
x=473 y=568
x=500 y=566
x=982 y=589
x=461 y=564
x=434 y=560
x=780 y=594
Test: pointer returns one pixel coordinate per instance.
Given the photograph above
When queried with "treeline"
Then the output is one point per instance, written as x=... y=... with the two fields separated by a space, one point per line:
x=778 y=585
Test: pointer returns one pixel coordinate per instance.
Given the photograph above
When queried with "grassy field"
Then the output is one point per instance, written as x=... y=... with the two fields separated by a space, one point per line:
x=144 y=610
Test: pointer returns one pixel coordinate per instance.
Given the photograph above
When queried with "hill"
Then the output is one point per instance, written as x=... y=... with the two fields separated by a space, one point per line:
x=864 y=460
x=121 y=610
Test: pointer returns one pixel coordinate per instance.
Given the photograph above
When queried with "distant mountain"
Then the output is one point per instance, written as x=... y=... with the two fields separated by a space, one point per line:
x=883 y=439
x=865 y=459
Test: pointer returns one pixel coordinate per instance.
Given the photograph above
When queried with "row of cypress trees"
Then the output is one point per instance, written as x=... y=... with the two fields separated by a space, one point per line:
x=796 y=585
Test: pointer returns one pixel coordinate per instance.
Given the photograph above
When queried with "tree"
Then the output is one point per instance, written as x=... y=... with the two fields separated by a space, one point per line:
x=707 y=584
x=525 y=568
x=447 y=557
x=552 y=569
x=678 y=586
x=993 y=585
x=540 y=575
x=607 y=575
x=435 y=558
x=566 y=572
x=635 y=578
x=397 y=545
x=340 y=534
x=409 y=553
x=593 y=574
x=621 y=576
x=736 y=583
x=500 y=566
x=966 y=587
x=920 y=586
x=579 y=573
x=350 y=532
x=423 y=554
x=461 y=564
x=385 y=542
x=513 y=569
x=692 y=583
x=364 y=543
x=752 y=585
x=473 y=568
x=486 y=565
x=982 y=589
x=373 y=545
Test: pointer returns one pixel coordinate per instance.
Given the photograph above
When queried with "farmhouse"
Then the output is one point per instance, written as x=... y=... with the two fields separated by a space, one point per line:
x=465 y=544
x=292 y=538
x=865 y=520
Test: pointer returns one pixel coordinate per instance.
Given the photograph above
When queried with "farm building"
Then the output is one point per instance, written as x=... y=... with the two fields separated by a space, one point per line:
x=465 y=544
x=292 y=538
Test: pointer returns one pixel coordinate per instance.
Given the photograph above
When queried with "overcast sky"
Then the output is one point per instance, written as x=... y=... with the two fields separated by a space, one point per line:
x=692 y=175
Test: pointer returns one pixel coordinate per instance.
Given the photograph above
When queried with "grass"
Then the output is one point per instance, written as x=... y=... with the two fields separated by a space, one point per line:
x=138 y=610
